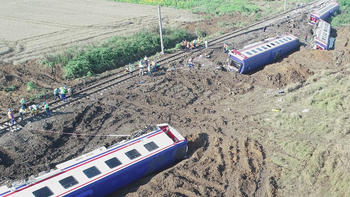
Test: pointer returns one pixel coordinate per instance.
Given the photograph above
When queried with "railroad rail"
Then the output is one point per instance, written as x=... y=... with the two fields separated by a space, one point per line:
x=111 y=80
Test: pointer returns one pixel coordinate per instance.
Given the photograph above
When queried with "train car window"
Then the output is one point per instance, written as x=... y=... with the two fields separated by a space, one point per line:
x=249 y=53
x=289 y=38
x=277 y=42
x=259 y=49
x=281 y=41
x=273 y=44
x=43 y=192
x=91 y=172
x=151 y=146
x=268 y=46
x=264 y=47
x=68 y=182
x=285 y=39
x=112 y=163
x=254 y=51
x=133 y=154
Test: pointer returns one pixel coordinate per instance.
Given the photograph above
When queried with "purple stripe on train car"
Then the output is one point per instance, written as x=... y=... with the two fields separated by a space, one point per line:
x=5 y=193
x=111 y=150
x=20 y=186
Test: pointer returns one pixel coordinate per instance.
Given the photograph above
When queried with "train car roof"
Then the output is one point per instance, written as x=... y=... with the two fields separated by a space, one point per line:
x=260 y=47
x=325 y=9
x=323 y=31
x=74 y=174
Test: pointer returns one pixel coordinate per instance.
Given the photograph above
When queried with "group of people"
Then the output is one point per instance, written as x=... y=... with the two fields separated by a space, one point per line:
x=194 y=44
x=33 y=109
x=144 y=63
x=61 y=93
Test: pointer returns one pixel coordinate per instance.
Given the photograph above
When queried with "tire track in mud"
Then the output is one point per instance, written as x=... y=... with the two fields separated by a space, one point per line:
x=217 y=165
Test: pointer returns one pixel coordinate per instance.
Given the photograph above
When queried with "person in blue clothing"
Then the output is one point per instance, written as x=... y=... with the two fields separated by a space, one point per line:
x=47 y=109
x=63 y=92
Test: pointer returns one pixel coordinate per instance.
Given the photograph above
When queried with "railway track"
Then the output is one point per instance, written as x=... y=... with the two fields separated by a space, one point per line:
x=111 y=80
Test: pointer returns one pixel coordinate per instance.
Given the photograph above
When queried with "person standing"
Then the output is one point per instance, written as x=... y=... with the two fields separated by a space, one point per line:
x=131 y=69
x=206 y=44
x=70 y=92
x=23 y=103
x=56 y=93
x=11 y=117
x=226 y=48
x=21 y=112
x=141 y=68
x=149 y=70
x=47 y=108
x=63 y=92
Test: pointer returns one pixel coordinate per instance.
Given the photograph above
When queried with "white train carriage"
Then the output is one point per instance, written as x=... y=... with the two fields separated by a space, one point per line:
x=323 y=13
x=106 y=170
x=255 y=56
x=322 y=34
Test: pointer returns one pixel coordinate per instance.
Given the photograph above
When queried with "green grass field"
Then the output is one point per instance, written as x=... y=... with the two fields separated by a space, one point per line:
x=311 y=136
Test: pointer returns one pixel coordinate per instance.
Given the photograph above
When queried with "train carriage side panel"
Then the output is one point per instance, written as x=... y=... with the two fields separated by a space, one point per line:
x=130 y=174
x=269 y=56
x=256 y=62
x=334 y=8
x=286 y=49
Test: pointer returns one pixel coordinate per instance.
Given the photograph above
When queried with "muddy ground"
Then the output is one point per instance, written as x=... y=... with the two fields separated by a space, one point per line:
x=271 y=133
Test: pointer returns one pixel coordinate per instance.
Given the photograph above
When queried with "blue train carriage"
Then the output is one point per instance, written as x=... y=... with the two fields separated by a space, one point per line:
x=323 y=13
x=103 y=170
x=321 y=36
x=257 y=55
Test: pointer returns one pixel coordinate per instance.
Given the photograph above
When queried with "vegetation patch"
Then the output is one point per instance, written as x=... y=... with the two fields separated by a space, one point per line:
x=344 y=16
x=114 y=53
x=311 y=136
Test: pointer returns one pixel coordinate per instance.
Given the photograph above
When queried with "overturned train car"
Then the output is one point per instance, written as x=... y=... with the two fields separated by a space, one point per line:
x=322 y=35
x=257 y=55
x=323 y=13
x=103 y=170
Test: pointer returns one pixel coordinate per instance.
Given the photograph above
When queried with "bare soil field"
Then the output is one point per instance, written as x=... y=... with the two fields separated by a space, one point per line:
x=282 y=131
x=31 y=29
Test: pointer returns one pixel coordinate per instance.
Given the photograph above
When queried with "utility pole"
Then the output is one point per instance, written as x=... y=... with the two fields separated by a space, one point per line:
x=285 y=4
x=160 y=30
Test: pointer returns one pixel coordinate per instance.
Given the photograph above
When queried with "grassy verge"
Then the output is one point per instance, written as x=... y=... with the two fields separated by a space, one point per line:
x=114 y=53
x=311 y=137
x=344 y=16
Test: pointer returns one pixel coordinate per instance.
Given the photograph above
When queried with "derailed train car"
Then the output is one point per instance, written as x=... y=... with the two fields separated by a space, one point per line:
x=321 y=36
x=255 y=56
x=103 y=170
x=323 y=13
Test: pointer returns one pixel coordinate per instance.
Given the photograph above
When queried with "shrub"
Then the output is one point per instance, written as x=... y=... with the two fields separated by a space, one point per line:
x=120 y=51
x=11 y=88
x=344 y=16
x=31 y=86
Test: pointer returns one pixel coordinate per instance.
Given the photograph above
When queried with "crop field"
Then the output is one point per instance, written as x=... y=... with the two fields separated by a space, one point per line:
x=216 y=7
x=37 y=28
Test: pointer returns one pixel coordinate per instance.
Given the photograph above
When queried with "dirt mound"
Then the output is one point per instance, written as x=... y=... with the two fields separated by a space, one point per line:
x=217 y=165
x=283 y=73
